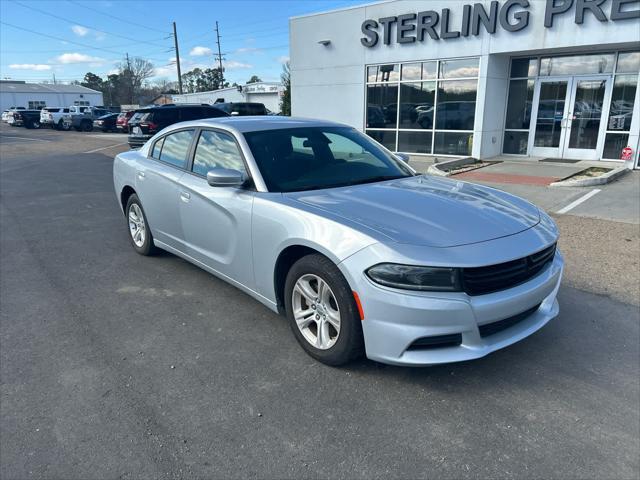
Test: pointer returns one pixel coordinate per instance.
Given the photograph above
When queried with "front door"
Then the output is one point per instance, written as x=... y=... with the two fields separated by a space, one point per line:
x=568 y=118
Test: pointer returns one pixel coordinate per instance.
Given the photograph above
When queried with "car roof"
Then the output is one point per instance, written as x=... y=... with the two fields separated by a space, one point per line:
x=260 y=122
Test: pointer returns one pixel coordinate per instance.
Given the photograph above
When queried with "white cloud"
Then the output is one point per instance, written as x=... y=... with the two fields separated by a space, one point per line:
x=67 y=58
x=29 y=66
x=80 y=30
x=248 y=50
x=282 y=59
x=233 y=65
x=200 y=51
x=100 y=36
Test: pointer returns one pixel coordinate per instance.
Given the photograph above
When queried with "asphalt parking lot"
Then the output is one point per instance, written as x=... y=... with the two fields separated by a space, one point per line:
x=114 y=365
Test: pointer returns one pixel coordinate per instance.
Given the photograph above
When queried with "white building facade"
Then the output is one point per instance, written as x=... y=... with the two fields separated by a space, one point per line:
x=39 y=95
x=267 y=93
x=541 y=78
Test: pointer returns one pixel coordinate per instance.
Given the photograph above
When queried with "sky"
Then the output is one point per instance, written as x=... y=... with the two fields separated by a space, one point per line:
x=68 y=38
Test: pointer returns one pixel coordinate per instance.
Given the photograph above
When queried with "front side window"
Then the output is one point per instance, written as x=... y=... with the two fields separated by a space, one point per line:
x=175 y=148
x=216 y=150
x=299 y=159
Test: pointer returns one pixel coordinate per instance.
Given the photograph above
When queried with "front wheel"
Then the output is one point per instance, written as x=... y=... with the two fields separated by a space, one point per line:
x=322 y=311
x=139 y=232
x=87 y=126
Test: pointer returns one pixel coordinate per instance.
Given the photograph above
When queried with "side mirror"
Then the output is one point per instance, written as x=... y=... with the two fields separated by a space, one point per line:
x=402 y=156
x=225 y=177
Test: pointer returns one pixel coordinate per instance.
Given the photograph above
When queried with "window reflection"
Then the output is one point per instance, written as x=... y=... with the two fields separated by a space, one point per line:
x=383 y=73
x=382 y=106
x=622 y=98
x=519 y=104
x=577 y=64
x=417 y=105
x=464 y=68
x=453 y=143
x=628 y=62
x=175 y=148
x=456 y=105
x=216 y=150
x=524 y=67
x=385 y=137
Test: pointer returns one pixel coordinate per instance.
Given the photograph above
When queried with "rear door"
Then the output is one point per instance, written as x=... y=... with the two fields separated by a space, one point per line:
x=158 y=185
x=217 y=220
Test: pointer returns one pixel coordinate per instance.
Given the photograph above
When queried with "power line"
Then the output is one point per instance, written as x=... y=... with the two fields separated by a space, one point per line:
x=117 y=18
x=53 y=15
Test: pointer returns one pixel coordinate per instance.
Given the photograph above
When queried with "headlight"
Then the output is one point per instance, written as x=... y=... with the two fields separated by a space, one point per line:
x=410 y=277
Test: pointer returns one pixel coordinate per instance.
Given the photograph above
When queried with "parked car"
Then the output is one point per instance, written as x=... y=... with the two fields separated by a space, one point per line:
x=55 y=117
x=318 y=221
x=24 y=118
x=149 y=121
x=106 y=123
x=83 y=122
x=5 y=113
x=243 y=108
x=122 y=122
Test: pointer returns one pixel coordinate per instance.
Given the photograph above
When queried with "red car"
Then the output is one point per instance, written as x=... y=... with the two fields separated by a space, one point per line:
x=122 y=122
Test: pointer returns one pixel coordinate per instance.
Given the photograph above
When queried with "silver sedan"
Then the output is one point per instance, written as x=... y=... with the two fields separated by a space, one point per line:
x=363 y=256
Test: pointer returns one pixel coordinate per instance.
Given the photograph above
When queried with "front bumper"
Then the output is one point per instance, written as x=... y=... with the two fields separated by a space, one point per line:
x=395 y=319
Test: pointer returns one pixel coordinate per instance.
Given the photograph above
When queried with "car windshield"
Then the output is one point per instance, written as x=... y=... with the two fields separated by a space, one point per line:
x=312 y=158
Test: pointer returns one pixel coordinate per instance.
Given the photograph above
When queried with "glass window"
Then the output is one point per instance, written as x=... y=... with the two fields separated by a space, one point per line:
x=383 y=73
x=628 y=62
x=414 y=142
x=386 y=138
x=622 y=98
x=382 y=106
x=157 y=148
x=577 y=64
x=519 y=104
x=515 y=143
x=333 y=162
x=524 y=67
x=613 y=145
x=456 y=105
x=464 y=68
x=453 y=143
x=216 y=149
x=175 y=148
x=416 y=105
x=419 y=71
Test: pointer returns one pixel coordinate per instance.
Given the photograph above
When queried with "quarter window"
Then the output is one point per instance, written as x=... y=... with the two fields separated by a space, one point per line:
x=157 y=148
x=175 y=148
x=216 y=150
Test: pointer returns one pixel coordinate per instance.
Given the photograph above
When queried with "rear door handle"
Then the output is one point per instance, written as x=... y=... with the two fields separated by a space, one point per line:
x=185 y=197
x=141 y=175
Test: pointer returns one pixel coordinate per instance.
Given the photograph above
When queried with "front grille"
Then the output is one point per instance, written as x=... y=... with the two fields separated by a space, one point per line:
x=500 y=325
x=438 y=341
x=482 y=280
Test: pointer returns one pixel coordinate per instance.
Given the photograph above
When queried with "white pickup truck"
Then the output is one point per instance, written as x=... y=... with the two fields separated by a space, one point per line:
x=57 y=117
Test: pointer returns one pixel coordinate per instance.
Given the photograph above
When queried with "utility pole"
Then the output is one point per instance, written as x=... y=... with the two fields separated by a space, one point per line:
x=219 y=56
x=54 y=78
x=175 y=40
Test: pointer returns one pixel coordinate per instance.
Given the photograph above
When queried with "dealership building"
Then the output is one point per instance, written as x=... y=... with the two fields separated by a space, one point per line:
x=536 y=78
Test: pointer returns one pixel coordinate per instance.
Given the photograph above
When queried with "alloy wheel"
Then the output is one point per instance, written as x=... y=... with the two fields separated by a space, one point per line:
x=137 y=227
x=316 y=311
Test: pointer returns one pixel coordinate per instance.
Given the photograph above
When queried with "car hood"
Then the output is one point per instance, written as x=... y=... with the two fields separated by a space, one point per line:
x=427 y=210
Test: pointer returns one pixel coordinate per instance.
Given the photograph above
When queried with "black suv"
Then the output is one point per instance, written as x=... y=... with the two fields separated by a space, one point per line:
x=146 y=122
x=243 y=108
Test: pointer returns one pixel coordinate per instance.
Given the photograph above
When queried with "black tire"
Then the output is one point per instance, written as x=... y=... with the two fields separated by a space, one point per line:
x=147 y=248
x=77 y=129
x=87 y=126
x=349 y=344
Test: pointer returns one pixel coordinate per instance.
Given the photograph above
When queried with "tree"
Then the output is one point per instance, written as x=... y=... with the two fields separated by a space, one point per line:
x=133 y=72
x=285 y=100
x=198 y=80
x=93 y=81
x=254 y=79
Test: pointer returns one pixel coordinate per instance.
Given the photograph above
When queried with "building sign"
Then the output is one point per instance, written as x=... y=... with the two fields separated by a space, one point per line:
x=510 y=15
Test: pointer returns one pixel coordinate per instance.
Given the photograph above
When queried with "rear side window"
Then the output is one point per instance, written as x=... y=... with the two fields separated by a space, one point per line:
x=216 y=149
x=175 y=148
x=162 y=117
x=157 y=148
x=52 y=109
x=65 y=110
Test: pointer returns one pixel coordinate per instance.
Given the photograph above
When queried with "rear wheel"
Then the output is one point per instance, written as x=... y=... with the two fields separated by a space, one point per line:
x=322 y=312
x=63 y=126
x=139 y=232
x=87 y=126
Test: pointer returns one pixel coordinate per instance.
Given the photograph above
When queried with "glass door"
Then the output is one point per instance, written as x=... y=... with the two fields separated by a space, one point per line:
x=584 y=123
x=551 y=100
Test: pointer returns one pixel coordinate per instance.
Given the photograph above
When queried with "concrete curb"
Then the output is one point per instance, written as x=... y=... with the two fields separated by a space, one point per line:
x=437 y=168
x=589 y=182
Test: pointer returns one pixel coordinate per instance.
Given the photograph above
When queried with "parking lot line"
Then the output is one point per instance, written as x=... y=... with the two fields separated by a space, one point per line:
x=105 y=148
x=580 y=200
x=25 y=138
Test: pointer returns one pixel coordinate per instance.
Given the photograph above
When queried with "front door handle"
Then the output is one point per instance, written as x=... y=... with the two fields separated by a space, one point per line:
x=141 y=175
x=185 y=197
